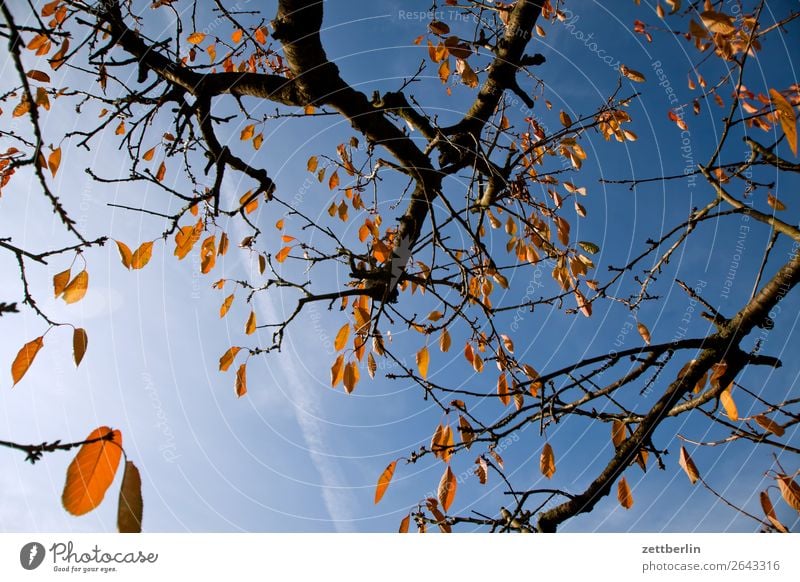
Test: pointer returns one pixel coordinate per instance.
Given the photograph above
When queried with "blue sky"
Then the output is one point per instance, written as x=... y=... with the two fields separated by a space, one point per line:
x=294 y=455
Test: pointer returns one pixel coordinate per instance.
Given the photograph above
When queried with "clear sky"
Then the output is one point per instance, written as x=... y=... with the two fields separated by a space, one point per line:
x=295 y=455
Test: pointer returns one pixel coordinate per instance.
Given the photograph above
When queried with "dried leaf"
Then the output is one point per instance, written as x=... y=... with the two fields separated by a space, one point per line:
x=383 y=482
x=769 y=511
x=447 y=489
x=644 y=332
x=76 y=289
x=80 y=341
x=226 y=305
x=769 y=425
x=350 y=376
x=125 y=254
x=404 y=524
x=728 y=404
x=227 y=358
x=466 y=432
x=54 y=160
x=250 y=326
x=444 y=341
x=786 y=117
x=141 y=256
x=196 y=38
x=60 y=281
x=790 y=491
x=25 y=358
x=241 y=380
x=624 y=494
x=547 y=462
x=92 y=471
x=618 y=433
x=341 y=337
x=130 y=507
x=423 y=359
x=686 y=462
x=337 y=370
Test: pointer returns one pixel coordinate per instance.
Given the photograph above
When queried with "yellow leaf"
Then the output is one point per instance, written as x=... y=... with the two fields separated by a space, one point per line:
x=54 y=160
x=80 y=341
x=644 y=332
x=258 y=140
x=92 y=471
x=196 y=38
x=547 y=462
x=624 y=494
x=337 y=370
x=787 y=118
x=25 y=358
x=227 y=358
x=141 y=256
x=341 y=337
x=686 y=462
x=447 y=489
x=60 y=281
x=76 y=288
x=769 y=425
x=444 y=340
x=186 y=238
x=384 y=480
x=728 y=404
x=130 y=507
x=250 y=326
x=125 y=254
x=350 y=376
x=790 y=491
x=769 y=511
x=247 y=132
x=423 y=359
x=241 y=380
x=226 y=305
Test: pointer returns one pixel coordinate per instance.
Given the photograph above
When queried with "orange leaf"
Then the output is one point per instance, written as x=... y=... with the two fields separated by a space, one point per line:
x=226 y=305
x=125 y=254
x=423 y=359
x=80 y=341
x=728 y=404
x=333 y=181
x=282 y=254
x=502 y=389
x=250 y=326
x=247 y=132
x=141 y=256
x=337 y=370
x=447 y=489
x=312 y=164
x=688 y=465
x=40 y=76
x=227 y=358
x=60 y=281
x=444 y=341
x=404 y=524
x=54 y=160
x=786 y=117
x=237 y=35
x=644 y=332
x=384 y=480
x=208 y=254
x=350 y=376
x=465 y=429
x=76 y=288
x=92 y=471
x=196 y=38
x=624 y=494
x=162 y=171
x=341 y=337
x=25 y=358
x=241 y=380
x=260 y=35
x=130 y=507
x=547 y=462
x=618 y=433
